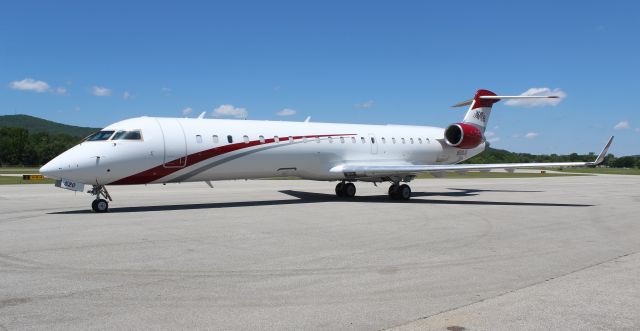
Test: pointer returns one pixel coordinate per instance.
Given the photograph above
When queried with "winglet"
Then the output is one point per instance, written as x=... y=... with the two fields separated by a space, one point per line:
x=604 y=152
x=201 y=116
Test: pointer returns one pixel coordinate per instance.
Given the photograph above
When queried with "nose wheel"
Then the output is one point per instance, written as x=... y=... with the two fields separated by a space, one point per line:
x=100 y=205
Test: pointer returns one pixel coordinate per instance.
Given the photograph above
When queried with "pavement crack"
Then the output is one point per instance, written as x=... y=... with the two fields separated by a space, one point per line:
x=519 y=289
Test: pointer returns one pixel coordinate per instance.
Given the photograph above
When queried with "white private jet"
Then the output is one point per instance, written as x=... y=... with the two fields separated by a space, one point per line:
x=151 y=150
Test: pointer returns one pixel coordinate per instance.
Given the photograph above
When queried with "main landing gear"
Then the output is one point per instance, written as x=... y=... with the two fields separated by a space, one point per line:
x=100 y=205
x=396 y=191
x=346 y=190
x=399 y=192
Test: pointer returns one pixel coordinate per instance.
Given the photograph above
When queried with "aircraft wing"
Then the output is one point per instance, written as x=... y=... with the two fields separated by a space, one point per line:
x=377 y=170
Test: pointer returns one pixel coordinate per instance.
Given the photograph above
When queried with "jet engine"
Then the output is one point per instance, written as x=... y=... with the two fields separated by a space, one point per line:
x=463 y=136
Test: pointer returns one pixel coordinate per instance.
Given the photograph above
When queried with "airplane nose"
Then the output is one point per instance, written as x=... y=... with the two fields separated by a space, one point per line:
x=51 y=170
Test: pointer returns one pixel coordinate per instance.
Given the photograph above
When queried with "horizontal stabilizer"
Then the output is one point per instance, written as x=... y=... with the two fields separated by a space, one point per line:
x=498 y=97
x=463 y=103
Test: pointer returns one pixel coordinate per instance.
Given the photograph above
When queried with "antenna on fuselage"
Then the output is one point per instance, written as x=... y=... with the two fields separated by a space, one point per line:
x=306 y=120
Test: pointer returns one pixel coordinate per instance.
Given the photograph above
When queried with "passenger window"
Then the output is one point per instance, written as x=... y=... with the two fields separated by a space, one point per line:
x=276 y=139
x=353 y=140
x=215 y=138
x=199 y=139
x=411 y=140
x=419 y=140
x=342 y=140
x=290 y=139
x=373 y=140
x=230 y=139
x=402 y=140
x=261 y=139
x=245 y=138
x=393 y=140
x=363 y=140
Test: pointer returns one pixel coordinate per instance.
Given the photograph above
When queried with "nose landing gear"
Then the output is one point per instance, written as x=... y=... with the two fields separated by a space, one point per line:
x=100 y=205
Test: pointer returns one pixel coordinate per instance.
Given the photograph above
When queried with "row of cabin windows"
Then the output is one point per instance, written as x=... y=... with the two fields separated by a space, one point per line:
x=276 y=139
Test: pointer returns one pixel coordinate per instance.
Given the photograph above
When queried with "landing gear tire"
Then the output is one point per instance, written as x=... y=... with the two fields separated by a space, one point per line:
x=393 y=191
x=340 y=189
x=349 y=190
x=404 y=192
x=400 y=192
x=345 y=190
x=100 y=206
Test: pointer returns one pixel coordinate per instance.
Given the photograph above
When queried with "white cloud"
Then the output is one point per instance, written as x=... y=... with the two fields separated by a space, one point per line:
x=286 y=112
x=493 y=139
x=187 y=111
x=365 y=105
x=538 y=91
x=637 y=129
x=622 y=125
x=166 y=91
x=230 y=110
x=100 y=91
x=29 y=84
x=489 y=134
x=531 y=135
x=127 y=95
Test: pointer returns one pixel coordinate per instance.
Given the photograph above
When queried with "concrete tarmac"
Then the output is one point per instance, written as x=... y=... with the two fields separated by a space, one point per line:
x=463 y=254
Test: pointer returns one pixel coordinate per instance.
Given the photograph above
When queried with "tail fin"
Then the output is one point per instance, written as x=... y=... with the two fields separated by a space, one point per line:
x=480 y=106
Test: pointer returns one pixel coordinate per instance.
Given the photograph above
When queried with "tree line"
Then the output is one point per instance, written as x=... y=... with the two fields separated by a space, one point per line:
x=19 y=147
x=501 y=156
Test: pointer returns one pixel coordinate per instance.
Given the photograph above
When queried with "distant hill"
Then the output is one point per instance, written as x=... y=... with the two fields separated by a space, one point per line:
x=36 y=125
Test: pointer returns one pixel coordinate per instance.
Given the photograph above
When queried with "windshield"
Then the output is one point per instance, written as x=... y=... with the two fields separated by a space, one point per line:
x=100 y=135
x=127 y=135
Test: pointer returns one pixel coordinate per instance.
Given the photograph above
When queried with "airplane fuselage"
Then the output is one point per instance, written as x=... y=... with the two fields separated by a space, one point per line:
x=185 y=149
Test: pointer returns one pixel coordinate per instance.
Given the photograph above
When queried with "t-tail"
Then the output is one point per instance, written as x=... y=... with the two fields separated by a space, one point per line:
x=470 y=132
x=480 y=106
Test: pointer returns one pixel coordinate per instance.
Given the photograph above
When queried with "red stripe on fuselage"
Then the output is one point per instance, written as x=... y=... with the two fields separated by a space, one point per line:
x=160 y=171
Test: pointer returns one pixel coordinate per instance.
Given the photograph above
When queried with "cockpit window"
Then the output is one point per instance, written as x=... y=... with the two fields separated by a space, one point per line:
x=98 y=136
x=127 y=135
x=118 y=135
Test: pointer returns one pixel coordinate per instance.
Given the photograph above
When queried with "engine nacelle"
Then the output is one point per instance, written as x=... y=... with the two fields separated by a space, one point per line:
x=463 y=136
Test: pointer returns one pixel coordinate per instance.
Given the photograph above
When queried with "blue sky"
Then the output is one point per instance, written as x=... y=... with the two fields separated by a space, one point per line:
x=405 y=62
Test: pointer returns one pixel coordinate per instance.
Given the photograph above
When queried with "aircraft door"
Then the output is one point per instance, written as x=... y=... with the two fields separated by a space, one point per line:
x=175 y=143
x=374 y=143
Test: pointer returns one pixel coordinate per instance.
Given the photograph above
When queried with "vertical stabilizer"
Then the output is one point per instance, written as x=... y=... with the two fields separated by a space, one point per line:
x=480 y=109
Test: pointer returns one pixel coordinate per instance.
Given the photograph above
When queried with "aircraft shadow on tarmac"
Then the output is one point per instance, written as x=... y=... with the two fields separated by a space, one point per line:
x=313 y=197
